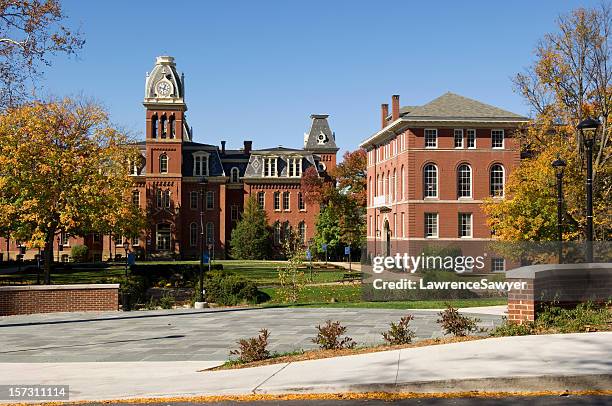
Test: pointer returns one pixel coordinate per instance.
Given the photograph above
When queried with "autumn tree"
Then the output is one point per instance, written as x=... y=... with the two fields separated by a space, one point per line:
x=65 y=168
x=31 y=31
x=251 y=236
x=569 y=81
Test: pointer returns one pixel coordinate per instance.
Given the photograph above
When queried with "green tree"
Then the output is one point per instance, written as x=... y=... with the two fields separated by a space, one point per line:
x=251 y=236
x=328 y=230
x=65 y=168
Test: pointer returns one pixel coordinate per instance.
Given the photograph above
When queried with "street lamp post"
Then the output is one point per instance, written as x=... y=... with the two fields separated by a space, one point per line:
x=126 y=247
x=200 y=294
x=559 y=165
x=588 y=129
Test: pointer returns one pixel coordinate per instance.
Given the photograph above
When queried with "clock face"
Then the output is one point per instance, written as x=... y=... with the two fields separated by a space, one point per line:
x=163 y=88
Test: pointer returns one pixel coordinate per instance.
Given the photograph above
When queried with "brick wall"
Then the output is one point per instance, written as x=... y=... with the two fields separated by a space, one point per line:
x=563 y=285
x=58 y=298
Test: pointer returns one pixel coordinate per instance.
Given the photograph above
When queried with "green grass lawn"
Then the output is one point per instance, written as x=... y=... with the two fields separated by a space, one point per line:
x=67 y=277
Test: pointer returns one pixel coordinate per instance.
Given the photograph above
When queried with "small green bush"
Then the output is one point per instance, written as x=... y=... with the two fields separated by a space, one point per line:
x=513 y=329
x=400 y=333
x=456 y=324
x=254 y=348
x=136 y=287
x=229 y=290
x=167 y=301
x=328 y=336
x=79 y=253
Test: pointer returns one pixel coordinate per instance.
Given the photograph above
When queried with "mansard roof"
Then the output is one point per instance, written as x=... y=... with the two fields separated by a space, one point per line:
x=320 y=137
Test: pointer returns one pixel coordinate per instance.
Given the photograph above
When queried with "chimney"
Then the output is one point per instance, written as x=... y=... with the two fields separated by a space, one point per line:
x=223 y=147
x=248 y=145
x=384 y=112
x=395 y=107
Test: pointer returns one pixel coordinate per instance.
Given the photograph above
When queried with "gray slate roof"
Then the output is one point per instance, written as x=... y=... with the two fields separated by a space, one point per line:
x=454 y=106
x=320 y=137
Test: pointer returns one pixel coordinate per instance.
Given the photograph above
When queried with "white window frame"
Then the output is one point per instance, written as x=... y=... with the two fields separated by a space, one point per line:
x=503 y=134
x=234 y=175
x=166 y=163
x=435 y=130
x=467 y=138
x=136 y=198
x=503 y=181
x=437 y=194
x=471 y=181
x=287 y=200
x=262 y=204
x=437 y=229
x=301 y=202
x=503 y=261
x=277 y=196
x=204 y=163
x=471 y=225
x=462 y=143
x=271 y=163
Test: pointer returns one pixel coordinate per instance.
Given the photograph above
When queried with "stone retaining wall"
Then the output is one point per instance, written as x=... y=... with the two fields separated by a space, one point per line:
x=58 y=298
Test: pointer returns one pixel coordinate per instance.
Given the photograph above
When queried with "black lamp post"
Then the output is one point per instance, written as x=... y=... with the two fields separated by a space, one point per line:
x=200 y=295
x=559 y=165
x=588 y=130
x=126 y=247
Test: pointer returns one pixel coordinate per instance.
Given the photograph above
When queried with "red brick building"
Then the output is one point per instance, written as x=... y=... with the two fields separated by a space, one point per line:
x=178 y=178
x=429 y=169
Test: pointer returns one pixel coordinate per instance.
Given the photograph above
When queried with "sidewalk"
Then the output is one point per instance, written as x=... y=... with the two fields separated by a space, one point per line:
x=512 y=364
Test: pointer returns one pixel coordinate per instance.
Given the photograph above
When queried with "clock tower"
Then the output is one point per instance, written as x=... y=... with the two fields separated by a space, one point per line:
x=166 y=130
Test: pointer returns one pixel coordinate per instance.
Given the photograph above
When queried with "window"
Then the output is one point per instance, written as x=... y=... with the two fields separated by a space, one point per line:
x=154 y=127
x=277 y=232
x=163 y=163
x=64 y=239
x=134 y=168
x=430 y=181
x=171 y=125
x=276 y=200
x=302 y=232
x=431 y=138
x=164 y=126
x=163 y=198
x=286 y=197
x=96 y=237
x=200 y=164
x=498 y=264
x=497 y=138
x=294 y=167
x=135 y=241
x=158 y=198
x=458 y=138
x=261 y=199
x=431 y=225
x=166 y=198
x=465 y=225
x=286 y=231
x=210 y=232
x=210 y=200
x=496 y=180
x=402 y=195
x=301 y=203
x=118 y=239
x=193 y=200
x=193 y=234
x=471 y=138
x=234 y=212
x=235 y=175
x=269 y=167
x=163 y=237
x=136 y=198
x=464 y=181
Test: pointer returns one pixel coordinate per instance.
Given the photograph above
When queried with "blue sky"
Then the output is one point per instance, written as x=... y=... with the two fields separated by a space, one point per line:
x=258 y=69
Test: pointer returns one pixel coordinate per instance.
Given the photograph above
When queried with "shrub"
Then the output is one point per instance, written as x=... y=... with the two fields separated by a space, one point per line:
x=400 y=333
x=513 y=329
x=328 y=336
x=456 y=324
x=167 y=301
x=254 y=348
x=136 y=287
x=229 y=290
x=79 y=253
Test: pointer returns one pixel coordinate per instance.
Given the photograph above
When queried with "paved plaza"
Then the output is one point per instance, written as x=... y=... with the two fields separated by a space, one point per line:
x=190 y=335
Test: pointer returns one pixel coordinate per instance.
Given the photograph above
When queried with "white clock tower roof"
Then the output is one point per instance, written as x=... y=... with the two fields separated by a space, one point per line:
x=163 y=85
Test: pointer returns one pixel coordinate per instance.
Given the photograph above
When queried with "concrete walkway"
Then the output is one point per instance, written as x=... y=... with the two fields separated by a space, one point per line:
x=192 y=335
x=532 y=363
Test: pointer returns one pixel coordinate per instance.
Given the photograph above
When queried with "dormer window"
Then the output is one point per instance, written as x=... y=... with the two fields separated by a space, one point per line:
x=294 y=166
x=270 y=166
x=235 y=175
x=321 y=138
x=200 y=164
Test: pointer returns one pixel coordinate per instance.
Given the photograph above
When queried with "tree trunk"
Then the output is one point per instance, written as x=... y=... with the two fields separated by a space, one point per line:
x=49 y=256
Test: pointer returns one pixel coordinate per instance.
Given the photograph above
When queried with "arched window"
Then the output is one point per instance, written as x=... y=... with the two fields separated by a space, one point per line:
x=163 y=163
x=286 y=231
x=166 y=198
x=430 y=181
x=464 y=181
x=402 y=185
x=389 y=186
x=164 y=126
x=370 y=191
x=172 y=126
x=394 y=191
x=277 y=232
x=154 y=127
x=193 y=234
x=234 y=175
x=496 y=180
x=210 y=232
